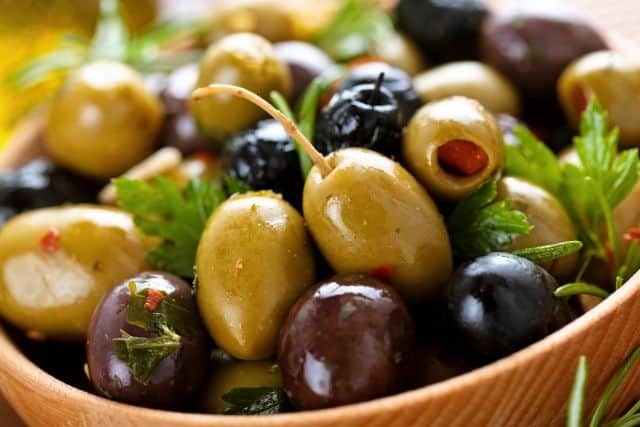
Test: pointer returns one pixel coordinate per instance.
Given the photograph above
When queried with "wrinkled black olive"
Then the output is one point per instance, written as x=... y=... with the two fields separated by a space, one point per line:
x=362 y=116
x=395 y=80
x=446 y=30
x=265 y=158
x=40 y=184
x=501 y=303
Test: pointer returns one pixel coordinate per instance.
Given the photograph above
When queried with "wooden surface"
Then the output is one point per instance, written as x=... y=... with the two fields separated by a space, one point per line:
x=528 y=388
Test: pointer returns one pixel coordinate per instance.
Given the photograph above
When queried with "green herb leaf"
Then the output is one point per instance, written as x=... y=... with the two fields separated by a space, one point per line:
x=144 y=354
x=235 y=186
x=43 y=67
x=256 y=401
x=355 y=30
x=549 y=252
x=160 y=209
x=575 y=408
x=111 y=36
x=580 y=288
x=479 y=224
x=611 y=389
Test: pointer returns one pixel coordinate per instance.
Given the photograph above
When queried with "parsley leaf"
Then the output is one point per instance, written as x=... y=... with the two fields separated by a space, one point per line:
x=161 y=209
x=256 y=401
x=479 y=224
x=143 y=354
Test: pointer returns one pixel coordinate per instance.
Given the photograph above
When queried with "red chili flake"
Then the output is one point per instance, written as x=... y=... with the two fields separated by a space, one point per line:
x=153 y=300
x=383 y=272
x=610 y=259
x=50 y=241
x=632 y=235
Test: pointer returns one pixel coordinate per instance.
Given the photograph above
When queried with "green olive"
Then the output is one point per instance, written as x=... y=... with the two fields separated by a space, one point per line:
x=399 y=51
x=253 y=261
x=241 y=374
x=471 y=79
x=103 y=121
x=615 y=80
x=551 y=222
x=369 y=212
x=453 y=146
x=245 y=60
x=57 y=263
x=201 y=166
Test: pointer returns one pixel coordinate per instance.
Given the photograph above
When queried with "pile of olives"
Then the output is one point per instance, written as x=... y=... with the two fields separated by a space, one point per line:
x=333 y=285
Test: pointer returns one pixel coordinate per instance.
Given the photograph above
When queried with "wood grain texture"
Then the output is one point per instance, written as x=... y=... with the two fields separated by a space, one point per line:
x=529 y=388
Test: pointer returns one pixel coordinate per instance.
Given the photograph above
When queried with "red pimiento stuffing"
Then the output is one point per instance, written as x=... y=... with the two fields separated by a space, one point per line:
x=462 y=157
x=50 y=241
x=154 y=298
x=383 y=272
x=632 y=235
x=203 y=156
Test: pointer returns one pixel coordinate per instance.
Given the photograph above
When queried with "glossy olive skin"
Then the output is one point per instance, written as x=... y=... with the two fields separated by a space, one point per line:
x=245 y=60
x=180 y=129
x=401 y=52
x=501 y=303
x=176 y=378
x=237 y=374
x=435 y=124
x=471 y=79
x=203 y=166
x=615 y=80
x=550 y=220
x=97 y=248
x=533 y=48
x=395 y=80
x=265 y=158
x=254 y=260
x=370 y=212
x=305 y=62
x=347 y=339
x=103 y=121
x=446 y=30
x=40 y=184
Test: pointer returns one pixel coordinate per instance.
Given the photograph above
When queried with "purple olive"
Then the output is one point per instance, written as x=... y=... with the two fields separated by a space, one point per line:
x=305 y=61
x=173 y=379
x=348 y=339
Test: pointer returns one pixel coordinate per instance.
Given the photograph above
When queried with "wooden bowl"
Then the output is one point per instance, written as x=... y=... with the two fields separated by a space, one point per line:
x=528 y=388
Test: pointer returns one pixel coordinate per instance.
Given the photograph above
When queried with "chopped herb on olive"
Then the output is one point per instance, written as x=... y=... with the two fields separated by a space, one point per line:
x=144 y=354
x=256 y=401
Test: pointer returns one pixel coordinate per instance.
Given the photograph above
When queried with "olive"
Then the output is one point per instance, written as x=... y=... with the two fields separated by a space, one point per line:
x=446 y=30
x=238 y=374
x=394 y=79
x=365 y=115
x=103 y=120
x=401 y=52
x=253 y=261
x=435 y=364
x=615 y=80
x=203 y=166
x=471 y=79
x=246 y=60
x=533 y=48
x=508 y=125
x=58 y=263
x=453 y=146
x=40 y=184
x=265 y=158
x=501 y=303
x=370 y=212
x=551 y=222
x=305 y=62
x=180 y=128
x=177 y=376
x=347 y=339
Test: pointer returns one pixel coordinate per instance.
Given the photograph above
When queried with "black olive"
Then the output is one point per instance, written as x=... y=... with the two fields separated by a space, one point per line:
x=397 y=81
x=362 y=116
x=446 y=30
x=265 y=158
x=501 y=303
x=40 y=184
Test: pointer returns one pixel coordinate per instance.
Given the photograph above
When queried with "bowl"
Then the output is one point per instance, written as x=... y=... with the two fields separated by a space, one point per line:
x=528 y=388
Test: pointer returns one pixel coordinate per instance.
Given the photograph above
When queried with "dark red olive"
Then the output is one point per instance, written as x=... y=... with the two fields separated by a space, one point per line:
x=305 y=61
x=177 y=376
x=348 y=339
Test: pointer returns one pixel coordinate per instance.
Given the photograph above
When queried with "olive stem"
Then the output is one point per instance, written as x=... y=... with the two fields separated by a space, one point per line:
x=289 y=126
